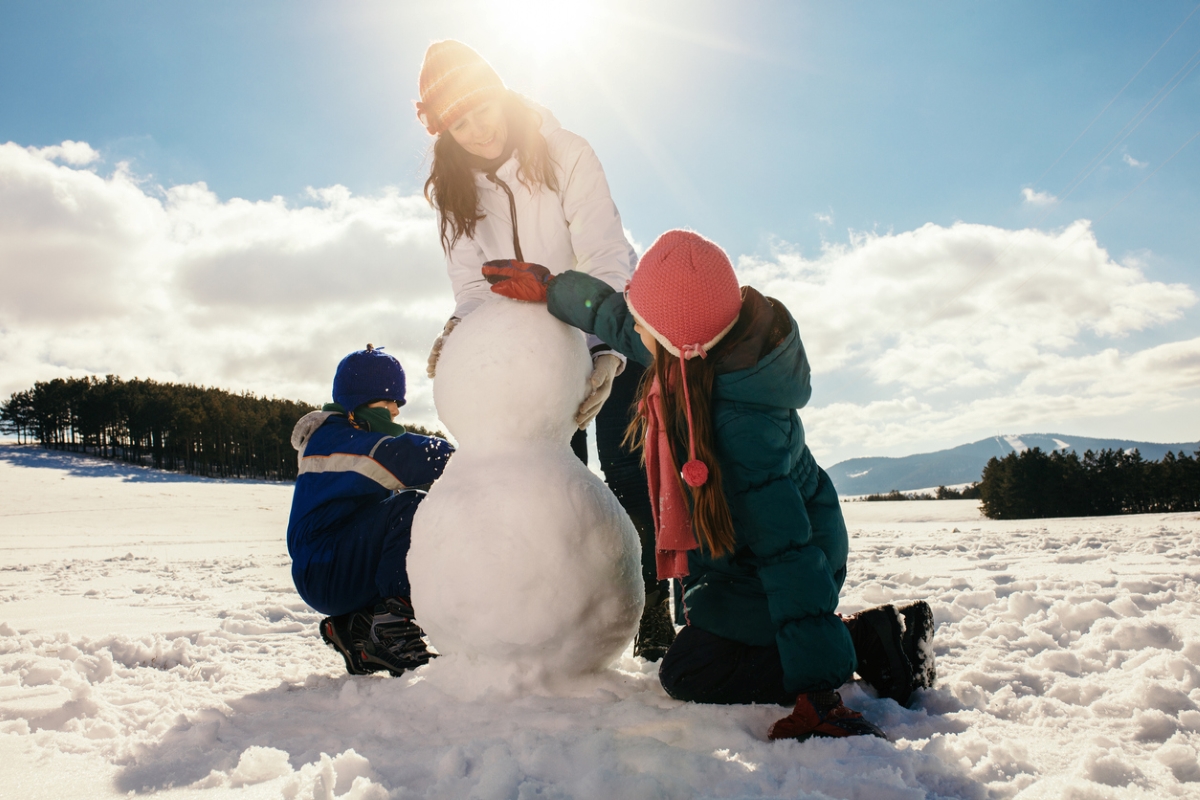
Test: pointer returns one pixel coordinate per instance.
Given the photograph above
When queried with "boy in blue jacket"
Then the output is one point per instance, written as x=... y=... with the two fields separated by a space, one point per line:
x=352 y=511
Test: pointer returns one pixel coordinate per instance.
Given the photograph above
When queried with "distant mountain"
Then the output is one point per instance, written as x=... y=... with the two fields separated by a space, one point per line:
x=964 y=464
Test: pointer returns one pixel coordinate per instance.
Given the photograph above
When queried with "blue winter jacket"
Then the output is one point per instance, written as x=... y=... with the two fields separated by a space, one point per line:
x=780 y=585
x=344 y=468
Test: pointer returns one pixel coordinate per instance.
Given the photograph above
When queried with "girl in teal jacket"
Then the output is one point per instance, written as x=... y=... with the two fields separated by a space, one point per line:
x=756 y=538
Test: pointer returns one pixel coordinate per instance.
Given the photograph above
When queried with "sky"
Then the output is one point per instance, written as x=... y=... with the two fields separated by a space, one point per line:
x=984 y=217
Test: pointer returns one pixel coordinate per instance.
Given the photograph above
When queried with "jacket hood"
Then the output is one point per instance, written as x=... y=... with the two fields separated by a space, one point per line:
x=306 y=426
x=550 y=123
x=780 y=378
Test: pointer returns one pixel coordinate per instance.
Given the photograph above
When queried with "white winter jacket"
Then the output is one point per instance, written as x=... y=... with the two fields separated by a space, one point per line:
x=576 y=228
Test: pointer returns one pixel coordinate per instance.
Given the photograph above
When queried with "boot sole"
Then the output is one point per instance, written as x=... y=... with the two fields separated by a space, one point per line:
x=379 y=665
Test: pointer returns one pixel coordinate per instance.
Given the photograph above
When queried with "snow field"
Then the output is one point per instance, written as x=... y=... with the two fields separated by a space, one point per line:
x=151 y=642
x=1067 y=649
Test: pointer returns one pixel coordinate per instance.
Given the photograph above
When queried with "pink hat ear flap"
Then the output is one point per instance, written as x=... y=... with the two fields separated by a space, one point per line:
x=423 y=116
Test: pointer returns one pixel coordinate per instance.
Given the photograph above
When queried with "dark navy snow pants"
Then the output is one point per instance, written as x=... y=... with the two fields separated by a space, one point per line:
x=363 y=560
x=702 y=667
x=623 y=470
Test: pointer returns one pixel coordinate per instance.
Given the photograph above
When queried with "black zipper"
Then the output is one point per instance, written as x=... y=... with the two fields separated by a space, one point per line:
x=512 y=213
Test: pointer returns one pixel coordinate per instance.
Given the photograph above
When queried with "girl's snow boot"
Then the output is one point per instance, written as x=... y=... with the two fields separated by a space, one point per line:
x=878 y=637
x=822 y=714
x=918 y=643
x=656 y=633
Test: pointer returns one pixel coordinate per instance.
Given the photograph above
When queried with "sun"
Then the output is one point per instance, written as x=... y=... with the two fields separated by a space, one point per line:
x=545 y=25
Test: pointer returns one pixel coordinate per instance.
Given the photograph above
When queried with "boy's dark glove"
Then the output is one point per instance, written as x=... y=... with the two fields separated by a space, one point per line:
x=519 y=280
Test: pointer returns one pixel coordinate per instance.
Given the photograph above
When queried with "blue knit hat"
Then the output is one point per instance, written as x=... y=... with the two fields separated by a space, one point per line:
x=368 y=375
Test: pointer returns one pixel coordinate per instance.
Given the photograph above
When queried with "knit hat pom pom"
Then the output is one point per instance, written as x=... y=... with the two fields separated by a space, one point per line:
x=695 y=473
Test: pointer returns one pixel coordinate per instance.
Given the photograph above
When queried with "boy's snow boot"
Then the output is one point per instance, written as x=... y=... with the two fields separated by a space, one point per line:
x=341 y=632
x=879 y=644
x=918 y=643
x=655 y=633
x=822 y=714
x=393 y=641
x=378 y=638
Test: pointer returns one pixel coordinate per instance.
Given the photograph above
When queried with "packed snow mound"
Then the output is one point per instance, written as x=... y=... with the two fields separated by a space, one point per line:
x=526 y=558
x=521 y=557
x=510 y=372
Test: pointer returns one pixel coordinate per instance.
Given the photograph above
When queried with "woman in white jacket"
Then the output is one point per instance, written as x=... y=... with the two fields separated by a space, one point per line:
x=509 y=182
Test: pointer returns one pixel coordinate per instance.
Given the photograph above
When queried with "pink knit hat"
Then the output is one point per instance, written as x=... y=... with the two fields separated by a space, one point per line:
x=684 y=292
x=454 y=79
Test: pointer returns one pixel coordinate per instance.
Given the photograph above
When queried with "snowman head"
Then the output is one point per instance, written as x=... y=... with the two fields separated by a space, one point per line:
x=511 y=373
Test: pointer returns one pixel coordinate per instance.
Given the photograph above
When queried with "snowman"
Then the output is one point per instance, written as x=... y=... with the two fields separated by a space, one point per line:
x=520 y=555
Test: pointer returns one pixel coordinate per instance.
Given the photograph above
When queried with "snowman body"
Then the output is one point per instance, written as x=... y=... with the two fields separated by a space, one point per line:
x=520 y=554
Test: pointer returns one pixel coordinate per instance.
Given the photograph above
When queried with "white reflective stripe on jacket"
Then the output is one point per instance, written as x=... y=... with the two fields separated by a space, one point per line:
x=352 y=462
x=577 y=228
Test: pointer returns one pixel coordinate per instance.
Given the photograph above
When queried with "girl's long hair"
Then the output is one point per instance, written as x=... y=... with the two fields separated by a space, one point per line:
x=711 y=520
x=450 y=187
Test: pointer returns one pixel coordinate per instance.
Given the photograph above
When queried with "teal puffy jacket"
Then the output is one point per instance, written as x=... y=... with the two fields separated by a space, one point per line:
x=780 y=585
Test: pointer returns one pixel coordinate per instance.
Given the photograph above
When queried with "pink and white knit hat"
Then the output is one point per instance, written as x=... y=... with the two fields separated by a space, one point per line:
x=454 y=79
x=685 y=293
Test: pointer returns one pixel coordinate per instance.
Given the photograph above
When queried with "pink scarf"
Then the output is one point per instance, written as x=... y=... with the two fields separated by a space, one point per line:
x=673 y=535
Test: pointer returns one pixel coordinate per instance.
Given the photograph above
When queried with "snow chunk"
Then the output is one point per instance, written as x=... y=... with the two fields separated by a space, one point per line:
x=259 y=764
x=1183 y=761
x=1111 y=769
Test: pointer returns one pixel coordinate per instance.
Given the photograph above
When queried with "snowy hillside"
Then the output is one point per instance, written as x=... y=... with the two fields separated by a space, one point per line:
x=151 y=642
x=964 y=464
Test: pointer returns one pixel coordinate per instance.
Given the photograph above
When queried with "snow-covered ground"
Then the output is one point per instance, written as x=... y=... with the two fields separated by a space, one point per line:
x=151 y=642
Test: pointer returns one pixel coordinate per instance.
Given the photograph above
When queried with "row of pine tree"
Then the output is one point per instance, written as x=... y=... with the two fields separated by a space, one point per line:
x=215 y=433
x=1038 y=484
x=194 y=429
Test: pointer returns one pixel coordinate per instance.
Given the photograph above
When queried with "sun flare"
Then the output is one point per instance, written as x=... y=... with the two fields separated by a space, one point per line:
x=545 y=25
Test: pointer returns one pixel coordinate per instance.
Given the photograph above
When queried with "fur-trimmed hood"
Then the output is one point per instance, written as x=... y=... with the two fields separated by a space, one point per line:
x=306 y=426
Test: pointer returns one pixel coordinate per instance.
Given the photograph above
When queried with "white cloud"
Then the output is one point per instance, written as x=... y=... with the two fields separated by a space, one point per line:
x=638 y=247
x=824 y=219
x=74 y=153
x=105 y=275
x=1037 y=198
x=947 y=333
x=975 y=328
x=1133 y=162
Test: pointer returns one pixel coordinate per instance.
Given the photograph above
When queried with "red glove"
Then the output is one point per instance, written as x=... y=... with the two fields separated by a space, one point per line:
x=519 y=280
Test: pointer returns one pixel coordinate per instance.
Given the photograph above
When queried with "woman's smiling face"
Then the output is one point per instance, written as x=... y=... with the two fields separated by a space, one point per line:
x=482 y=131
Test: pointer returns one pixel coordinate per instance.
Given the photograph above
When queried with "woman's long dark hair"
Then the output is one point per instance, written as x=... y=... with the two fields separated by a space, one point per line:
x=450 y=187
x=711 y=520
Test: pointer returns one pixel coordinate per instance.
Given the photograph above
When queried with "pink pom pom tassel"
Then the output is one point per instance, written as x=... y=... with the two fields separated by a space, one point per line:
x=695 y=473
